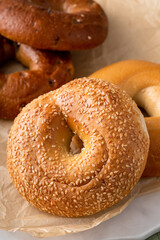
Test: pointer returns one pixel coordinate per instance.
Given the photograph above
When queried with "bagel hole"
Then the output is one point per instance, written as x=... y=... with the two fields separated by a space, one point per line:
x=11 y=66
x=76 y=145
x=143 y=111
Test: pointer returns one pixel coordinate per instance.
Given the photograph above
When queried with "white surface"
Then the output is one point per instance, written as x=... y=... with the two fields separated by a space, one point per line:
x=139 y=221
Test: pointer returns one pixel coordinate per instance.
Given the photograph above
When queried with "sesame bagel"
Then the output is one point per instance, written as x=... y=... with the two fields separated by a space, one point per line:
x=114 y=153
x=141 y=80
x=47 y=71
x=51 y=24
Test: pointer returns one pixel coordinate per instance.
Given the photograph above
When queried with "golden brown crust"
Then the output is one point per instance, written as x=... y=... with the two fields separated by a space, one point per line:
x=66 y=25
x=47 y=71
x=141 y=80
x=115 y=140
x=152 y=168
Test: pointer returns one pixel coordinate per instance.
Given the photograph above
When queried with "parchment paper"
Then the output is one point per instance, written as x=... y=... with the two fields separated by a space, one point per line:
x=134 y=33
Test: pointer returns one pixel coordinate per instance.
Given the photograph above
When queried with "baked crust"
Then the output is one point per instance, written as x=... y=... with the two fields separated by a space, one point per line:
x=115 y=151
x=141 y=80
x=47 y=71
x=51 y=24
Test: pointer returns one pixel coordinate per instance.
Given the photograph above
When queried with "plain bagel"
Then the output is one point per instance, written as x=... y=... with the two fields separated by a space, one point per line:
x=57 y=25
x=113 y=157
x=141 y=80
x=47 y=71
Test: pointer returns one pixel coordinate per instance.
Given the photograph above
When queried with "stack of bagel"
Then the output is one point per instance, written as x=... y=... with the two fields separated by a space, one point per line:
x=45 y=32
x=83 y=147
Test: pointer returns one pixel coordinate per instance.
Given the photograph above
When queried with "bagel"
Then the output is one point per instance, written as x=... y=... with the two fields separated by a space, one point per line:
x=47 y=71
x=141 y=80
x=112 y=159
x=56 y=25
